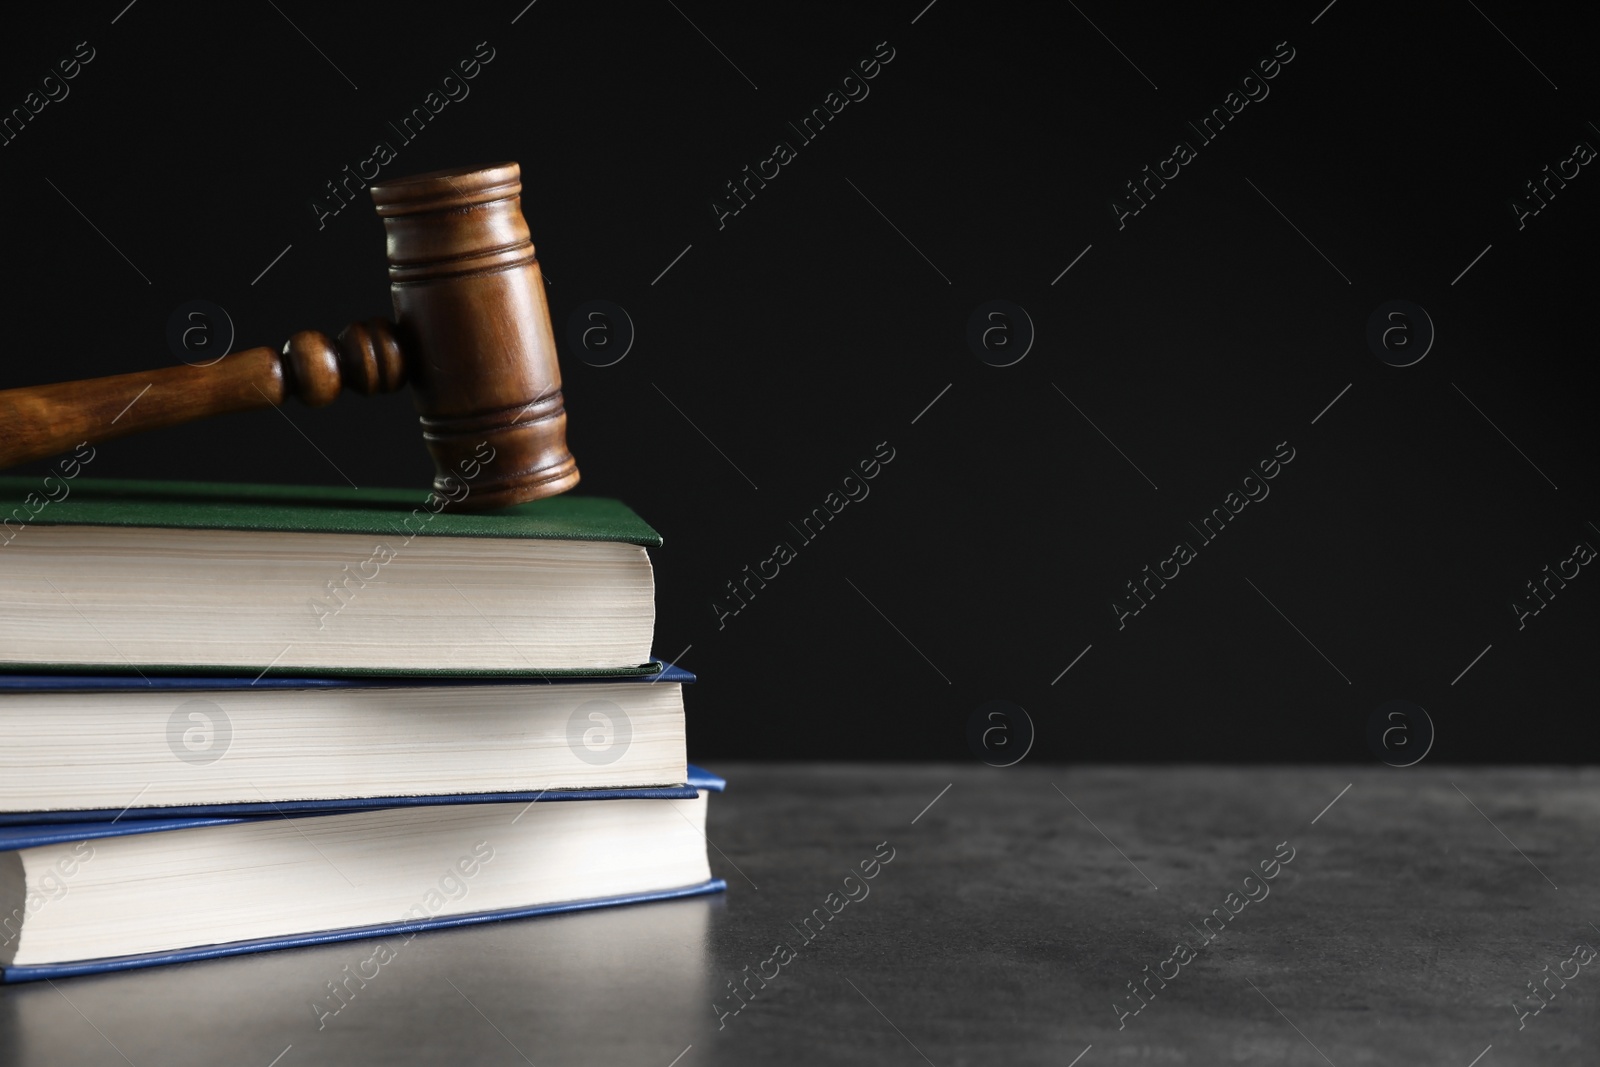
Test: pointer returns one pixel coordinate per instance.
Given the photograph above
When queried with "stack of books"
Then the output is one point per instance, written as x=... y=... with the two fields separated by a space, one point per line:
x=237 y=718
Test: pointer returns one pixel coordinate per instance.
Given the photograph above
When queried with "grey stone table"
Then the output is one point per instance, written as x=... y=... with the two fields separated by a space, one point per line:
x=1412 y=912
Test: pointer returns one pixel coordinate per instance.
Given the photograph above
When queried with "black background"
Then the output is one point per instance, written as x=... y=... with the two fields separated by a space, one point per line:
x=808 y=330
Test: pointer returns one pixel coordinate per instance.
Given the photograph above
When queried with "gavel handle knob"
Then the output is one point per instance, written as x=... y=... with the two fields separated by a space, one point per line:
x=45 y=420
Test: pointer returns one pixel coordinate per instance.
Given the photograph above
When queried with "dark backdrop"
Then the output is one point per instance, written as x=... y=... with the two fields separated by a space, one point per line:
x=815 y=327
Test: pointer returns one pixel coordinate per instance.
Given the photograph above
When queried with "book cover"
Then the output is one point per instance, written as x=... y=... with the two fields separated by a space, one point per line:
x=122 y=682
x=50 y=971
x=14 y=826
x=13 y=838
x=280 y=619
x=378 y=715
x=35 y=829
x=305 y=509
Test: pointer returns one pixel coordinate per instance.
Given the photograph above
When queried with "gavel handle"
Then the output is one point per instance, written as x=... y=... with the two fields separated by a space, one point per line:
x=45 y=420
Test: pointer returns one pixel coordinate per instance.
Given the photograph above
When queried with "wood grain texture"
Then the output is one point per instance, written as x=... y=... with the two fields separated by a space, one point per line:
x=472 y=336
x=43 y=420
x=470 y=305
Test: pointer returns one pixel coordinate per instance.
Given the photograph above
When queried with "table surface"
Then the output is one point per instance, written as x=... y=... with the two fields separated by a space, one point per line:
x=1018 y=906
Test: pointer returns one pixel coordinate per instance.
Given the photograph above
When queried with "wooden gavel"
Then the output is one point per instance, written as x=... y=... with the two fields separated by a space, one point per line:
x=471 y=335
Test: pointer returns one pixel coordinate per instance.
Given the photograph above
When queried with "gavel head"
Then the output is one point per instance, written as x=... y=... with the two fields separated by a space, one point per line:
x=474 y=331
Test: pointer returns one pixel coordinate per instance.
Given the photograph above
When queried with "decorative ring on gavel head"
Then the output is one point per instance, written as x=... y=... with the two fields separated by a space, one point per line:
x=474 y=327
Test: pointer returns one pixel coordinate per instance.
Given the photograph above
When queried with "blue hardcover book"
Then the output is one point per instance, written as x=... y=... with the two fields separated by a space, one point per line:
x=87 y=897
x=113 y=748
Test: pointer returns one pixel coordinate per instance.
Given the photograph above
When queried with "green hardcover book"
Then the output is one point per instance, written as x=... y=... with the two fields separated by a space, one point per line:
x=110 y=576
